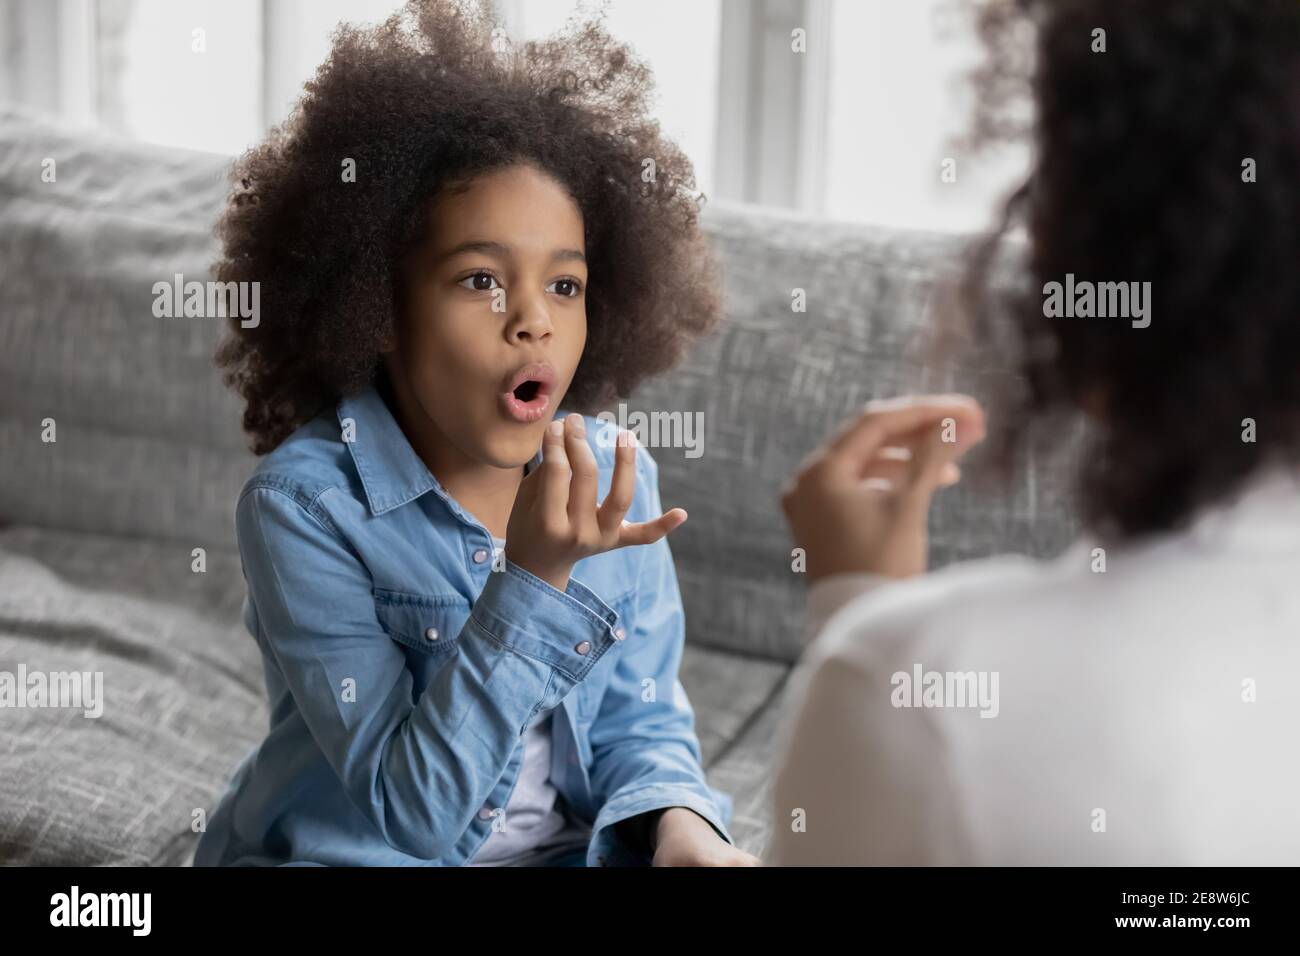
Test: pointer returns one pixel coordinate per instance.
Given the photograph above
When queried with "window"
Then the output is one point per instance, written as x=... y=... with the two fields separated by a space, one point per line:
x=677 y=38
x=896 y=106
x=840 y=108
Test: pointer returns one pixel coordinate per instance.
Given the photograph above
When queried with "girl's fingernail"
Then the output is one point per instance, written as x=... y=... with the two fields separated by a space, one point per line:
x=557 y=429
x=579 y=426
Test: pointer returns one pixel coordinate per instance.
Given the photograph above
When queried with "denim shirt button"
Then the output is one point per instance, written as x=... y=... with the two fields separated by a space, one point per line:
x=485 y=813
x=584 y=647
x=619 y=634
x=480 y=556
x=431 y=634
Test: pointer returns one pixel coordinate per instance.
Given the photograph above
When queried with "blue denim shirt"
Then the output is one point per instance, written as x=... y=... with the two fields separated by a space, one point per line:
x=403 y=664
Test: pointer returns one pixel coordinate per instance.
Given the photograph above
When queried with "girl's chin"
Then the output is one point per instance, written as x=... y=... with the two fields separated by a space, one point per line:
x=514 y=446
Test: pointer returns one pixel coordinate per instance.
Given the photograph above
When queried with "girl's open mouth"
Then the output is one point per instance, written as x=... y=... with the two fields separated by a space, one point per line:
x=528 y=393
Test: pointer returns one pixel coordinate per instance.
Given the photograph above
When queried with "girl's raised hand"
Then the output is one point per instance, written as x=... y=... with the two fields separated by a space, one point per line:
x=555 y=521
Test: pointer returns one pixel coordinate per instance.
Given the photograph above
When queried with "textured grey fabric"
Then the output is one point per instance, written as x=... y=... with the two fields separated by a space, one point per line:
x=728 y=692
x=148 y=440
x=182 y=690
x=149 y=458
x=744 y=770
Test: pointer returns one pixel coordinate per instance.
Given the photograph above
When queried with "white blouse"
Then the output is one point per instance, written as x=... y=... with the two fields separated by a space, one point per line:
x=1013 y=712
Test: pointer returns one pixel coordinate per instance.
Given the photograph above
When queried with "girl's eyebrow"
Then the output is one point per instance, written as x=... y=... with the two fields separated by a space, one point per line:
x=503 y=251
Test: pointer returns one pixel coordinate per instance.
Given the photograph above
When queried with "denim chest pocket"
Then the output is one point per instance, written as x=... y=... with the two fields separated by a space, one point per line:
x=591 y=691
x=428 y=625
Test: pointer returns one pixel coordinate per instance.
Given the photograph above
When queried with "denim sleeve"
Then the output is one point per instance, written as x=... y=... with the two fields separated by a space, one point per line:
x=418 y=770
x=645 y=752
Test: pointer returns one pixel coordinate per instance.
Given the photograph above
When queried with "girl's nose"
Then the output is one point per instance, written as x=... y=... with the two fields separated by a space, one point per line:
x=532 y=321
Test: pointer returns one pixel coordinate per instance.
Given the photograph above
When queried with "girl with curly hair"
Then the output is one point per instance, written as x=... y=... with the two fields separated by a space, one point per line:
x=1134 y=700
x=468 y=659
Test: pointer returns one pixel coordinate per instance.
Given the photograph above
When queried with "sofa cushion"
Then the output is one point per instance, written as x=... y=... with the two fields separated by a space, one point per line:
x=147 y=438
x=744 y=769
x=728 y=693
x=182 y=698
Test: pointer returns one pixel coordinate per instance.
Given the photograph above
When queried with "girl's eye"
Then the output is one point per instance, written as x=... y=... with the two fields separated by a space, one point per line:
x=480 y=282
x=565 y=287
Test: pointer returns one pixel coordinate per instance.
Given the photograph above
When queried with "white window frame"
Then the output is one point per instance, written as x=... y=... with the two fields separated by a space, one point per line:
x=772 y=104
x=63 y=84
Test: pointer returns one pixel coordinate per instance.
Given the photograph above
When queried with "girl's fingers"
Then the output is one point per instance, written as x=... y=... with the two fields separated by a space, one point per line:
x=648 y=532
x=554 y=493
x=582 y=486
x=622 y=486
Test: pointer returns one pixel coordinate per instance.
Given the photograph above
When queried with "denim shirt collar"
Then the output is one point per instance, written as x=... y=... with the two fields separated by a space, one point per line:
x=391 y=473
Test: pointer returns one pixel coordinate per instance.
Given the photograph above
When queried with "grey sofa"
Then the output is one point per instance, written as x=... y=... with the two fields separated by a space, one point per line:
x=99 y=528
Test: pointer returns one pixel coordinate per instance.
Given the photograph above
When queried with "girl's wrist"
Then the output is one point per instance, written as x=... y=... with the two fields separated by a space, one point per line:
x=556 y=577
x=674 y=818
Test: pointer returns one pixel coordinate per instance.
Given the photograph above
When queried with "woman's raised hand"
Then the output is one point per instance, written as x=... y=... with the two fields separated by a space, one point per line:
x=859 y=503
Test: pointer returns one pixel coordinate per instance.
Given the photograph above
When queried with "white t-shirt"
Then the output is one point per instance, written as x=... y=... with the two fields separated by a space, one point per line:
x=1144 y=714
x=534 y=823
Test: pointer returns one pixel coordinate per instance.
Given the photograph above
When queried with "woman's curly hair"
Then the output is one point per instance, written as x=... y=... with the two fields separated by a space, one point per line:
x=1138 y=175
x=427 y=100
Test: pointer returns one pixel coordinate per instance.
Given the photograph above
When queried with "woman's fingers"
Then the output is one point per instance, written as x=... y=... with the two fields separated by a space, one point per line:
x=648 y=532
x=861 y=502
x=888 y=470
x=881 y=422
x=922 y=461
x=936 y=450
x=622 y=487
x=892 y=475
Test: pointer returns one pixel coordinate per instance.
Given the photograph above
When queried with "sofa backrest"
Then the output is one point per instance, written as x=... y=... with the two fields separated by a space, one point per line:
x=774 y=382
x=148 y=441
